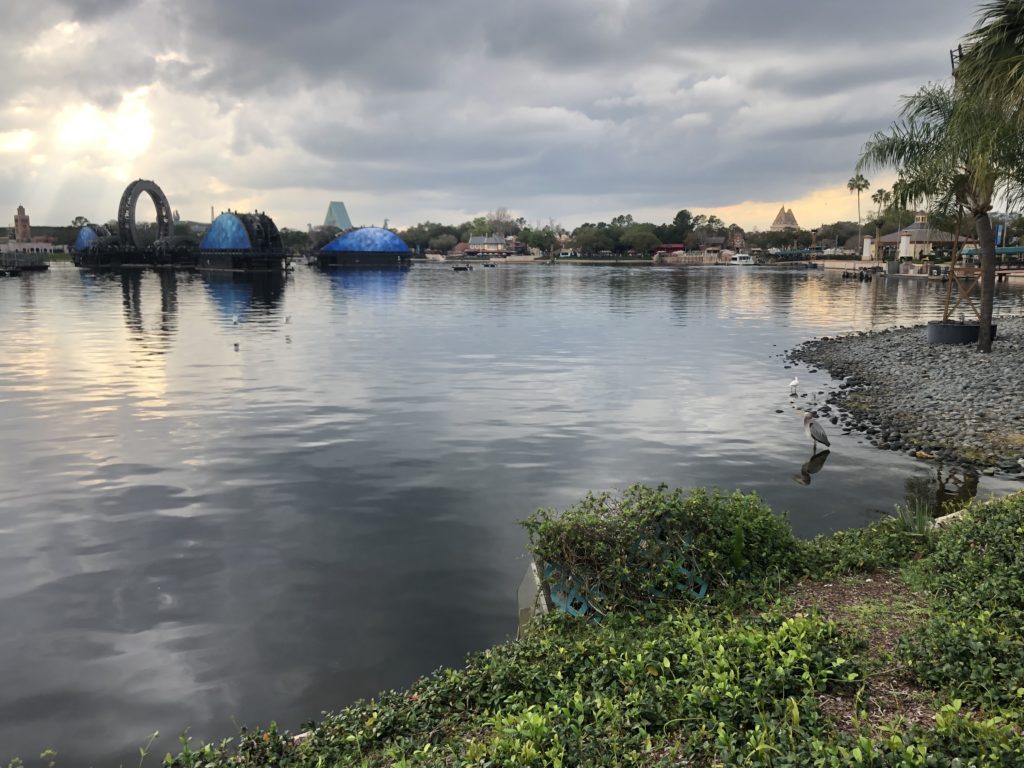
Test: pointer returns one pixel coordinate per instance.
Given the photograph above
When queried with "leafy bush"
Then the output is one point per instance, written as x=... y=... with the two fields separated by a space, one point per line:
x=974 y=642
x=638 y=547
x=888 y=543
x=979 y=562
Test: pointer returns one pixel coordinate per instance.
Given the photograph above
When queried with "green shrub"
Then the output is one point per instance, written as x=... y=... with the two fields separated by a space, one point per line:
x=644 y=544
x=888 y=543
x=974 y=643
x=978 y=562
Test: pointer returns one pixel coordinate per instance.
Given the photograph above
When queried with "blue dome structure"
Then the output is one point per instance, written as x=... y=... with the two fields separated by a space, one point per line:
x=87 y=235
x=227 y=233
x=368 y=246
x=367 y=240
x=242 y=242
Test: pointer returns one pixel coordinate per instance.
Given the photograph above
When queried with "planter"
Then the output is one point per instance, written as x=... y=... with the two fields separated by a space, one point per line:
x=950 y=332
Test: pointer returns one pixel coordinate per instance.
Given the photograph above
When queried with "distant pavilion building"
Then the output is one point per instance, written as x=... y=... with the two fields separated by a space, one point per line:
x=337 y=216
x=489 y=244
x=915 y=241
x=784 y=220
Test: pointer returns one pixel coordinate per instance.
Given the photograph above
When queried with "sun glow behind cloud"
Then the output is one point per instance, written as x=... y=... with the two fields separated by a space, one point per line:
x=821 y=206
x=117 y=136
x=16 y=142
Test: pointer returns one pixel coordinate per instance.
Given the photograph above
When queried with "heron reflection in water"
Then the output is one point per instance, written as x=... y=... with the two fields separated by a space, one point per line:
x=811 y=467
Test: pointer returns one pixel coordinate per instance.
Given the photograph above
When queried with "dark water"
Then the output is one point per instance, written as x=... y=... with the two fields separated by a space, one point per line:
x=191 y=535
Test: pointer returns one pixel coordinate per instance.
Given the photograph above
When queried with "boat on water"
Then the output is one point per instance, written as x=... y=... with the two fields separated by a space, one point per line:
x=742 y=260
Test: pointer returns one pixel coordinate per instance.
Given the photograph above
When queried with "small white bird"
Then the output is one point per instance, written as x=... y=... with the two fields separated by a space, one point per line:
x=793 y=385
x=236 y=346
x=234 y=319
x=815 y=431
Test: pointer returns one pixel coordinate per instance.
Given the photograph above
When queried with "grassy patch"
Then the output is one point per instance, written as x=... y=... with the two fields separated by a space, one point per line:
x=875 y=612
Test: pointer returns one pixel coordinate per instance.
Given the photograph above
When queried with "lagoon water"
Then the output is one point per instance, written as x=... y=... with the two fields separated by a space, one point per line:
x=193 y=536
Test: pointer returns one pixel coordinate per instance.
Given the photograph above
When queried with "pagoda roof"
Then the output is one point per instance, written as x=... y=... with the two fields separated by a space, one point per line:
x=785 y=219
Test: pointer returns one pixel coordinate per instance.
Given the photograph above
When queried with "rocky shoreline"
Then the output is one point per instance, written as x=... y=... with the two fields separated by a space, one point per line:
x=950 y=403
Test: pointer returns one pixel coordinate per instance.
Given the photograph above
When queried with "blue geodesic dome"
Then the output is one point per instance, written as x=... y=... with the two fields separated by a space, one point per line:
x=367 y=240
x=227 y=233
x=86 y=236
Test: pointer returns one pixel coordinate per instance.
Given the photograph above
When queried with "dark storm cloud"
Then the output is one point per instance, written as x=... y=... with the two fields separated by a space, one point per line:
x=810 y=26
x=832 y=76
x=264 y=44
x=97 y=10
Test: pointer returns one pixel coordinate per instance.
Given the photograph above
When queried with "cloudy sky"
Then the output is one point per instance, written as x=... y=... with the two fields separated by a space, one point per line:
x=409 y=110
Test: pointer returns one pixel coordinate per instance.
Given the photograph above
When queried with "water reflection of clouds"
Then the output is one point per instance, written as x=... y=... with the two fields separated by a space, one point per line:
x=370 y=474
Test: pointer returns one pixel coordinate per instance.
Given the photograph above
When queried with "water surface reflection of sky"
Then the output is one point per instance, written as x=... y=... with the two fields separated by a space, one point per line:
x=191 y=534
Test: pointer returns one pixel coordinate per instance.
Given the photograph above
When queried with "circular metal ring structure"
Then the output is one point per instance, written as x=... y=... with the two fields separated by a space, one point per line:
x=126 y=211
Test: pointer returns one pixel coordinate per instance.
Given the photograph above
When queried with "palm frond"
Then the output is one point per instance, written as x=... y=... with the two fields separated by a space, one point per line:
x=993 y=53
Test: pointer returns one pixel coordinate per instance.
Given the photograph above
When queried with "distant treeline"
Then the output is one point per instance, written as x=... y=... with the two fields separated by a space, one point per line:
x=619 y=236
x=624 y=234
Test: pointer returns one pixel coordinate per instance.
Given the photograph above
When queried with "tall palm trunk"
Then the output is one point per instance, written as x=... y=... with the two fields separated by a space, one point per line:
x=860 y=228
x=987 y=246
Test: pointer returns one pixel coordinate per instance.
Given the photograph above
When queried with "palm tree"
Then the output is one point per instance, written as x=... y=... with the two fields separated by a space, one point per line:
x=955 y=150
x=881 y=198
x=858 y=184
x=991 y=64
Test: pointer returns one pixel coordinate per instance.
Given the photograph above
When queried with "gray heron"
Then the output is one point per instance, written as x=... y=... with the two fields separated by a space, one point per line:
x=815 y=431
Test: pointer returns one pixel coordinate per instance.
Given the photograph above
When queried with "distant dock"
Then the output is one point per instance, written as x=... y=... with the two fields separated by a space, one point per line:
x=13 y=263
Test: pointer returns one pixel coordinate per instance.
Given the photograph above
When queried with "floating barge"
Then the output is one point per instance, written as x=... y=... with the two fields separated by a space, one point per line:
x=13 y=264
x=242 y=242
x=235 y=242
x=365 y=247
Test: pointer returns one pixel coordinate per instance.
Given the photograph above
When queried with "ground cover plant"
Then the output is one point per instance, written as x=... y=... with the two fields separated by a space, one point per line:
x=896 y=644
